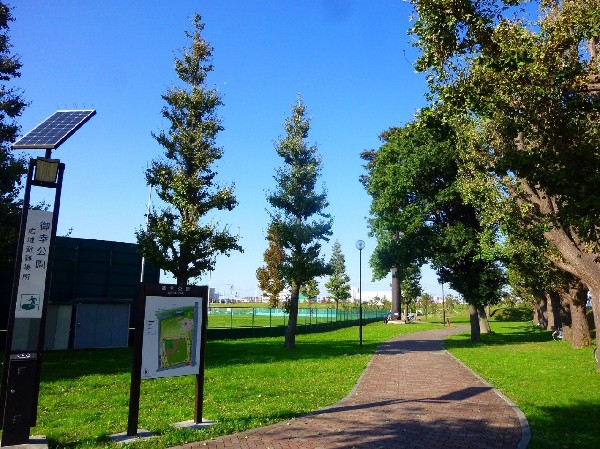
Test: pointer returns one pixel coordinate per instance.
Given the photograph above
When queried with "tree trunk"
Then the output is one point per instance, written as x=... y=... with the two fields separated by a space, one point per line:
x=564 y=312
x=181 y=276
x=406 y=312
x=555 y=315
x=595 y=292
x=484 y=325
x=396 y=295
x=582 y=265
x=474 y=318
x=290 y=333
x=577 y=296
x=574 y=259
x=540 y=311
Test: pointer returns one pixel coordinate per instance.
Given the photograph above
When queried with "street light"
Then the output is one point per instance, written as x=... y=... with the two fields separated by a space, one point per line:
x=443 y=305
x=360 y=245
x=27 y=312
x=46 y=170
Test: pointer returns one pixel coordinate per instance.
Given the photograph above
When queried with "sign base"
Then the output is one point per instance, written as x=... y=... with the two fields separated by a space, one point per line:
x=191 y=424
x=142 y=434
x=35 y=442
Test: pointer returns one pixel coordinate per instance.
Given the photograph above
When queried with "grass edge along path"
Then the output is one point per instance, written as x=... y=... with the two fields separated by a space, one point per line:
x=555 y=386
x=248 y=383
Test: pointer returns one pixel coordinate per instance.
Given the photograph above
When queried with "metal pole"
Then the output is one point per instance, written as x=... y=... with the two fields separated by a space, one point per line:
x=136 y=369
x=199 y=403
x=360 y=296
x=443 y=306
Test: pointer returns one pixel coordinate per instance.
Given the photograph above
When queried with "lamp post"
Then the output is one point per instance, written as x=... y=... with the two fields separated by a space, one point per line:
x=32 y=277
x=360 y=245
x=443 y=305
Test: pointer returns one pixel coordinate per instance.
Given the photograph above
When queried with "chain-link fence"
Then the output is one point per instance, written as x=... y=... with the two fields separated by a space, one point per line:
x=220 y=317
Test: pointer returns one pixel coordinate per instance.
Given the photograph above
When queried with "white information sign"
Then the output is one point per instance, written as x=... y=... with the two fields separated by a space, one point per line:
x=34 y=264
x=171 y=343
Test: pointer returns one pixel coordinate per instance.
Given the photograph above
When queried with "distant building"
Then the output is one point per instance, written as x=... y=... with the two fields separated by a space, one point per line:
x=373 y=296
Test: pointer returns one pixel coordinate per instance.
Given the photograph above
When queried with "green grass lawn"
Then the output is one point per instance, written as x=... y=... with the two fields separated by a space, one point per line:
x=556 y=387
x=248 y=383
x=252 y=382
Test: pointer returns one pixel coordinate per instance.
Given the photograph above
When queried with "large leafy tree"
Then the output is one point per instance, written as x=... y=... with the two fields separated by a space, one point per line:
x=179 y=237
x=533 y=81
x=12 y=168
x=413 y=180
x=338 y=284
x=269 y=276
x=298 y=213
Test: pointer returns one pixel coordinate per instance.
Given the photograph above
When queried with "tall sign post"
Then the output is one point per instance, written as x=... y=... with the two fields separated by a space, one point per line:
x=27 y=315
x=26 y=327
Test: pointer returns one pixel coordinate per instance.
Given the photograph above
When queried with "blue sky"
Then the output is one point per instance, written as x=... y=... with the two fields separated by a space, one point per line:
x=350 y=60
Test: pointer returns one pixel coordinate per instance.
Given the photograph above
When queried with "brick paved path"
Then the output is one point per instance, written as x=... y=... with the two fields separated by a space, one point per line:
x=413 y=394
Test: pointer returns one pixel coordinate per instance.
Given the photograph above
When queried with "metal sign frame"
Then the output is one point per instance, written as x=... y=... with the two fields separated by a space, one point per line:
x=168 y=291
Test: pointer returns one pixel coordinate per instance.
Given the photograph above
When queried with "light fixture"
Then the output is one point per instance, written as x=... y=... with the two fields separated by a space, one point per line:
x=46 y=170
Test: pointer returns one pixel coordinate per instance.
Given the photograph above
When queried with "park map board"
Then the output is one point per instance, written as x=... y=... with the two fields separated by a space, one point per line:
x=171 y=346
x=176 y=337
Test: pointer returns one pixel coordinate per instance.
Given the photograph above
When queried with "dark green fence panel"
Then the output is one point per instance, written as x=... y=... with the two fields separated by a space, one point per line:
x=248 y=322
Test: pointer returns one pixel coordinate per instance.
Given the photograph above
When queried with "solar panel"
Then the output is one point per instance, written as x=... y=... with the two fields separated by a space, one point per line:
x=53 y=131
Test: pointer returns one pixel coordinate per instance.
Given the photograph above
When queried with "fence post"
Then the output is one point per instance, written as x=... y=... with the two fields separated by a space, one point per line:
x=253 y=310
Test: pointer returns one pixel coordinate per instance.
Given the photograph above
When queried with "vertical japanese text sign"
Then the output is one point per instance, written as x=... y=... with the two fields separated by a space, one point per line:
x=34 y=263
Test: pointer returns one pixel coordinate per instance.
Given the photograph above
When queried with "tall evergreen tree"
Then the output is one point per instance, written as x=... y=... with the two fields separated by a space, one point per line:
x=338 y=284
x=177 y=240
x=12 y=168
x=298 y=218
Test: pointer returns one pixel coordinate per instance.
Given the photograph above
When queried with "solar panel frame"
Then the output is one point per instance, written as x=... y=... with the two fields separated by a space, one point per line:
x=55 y=130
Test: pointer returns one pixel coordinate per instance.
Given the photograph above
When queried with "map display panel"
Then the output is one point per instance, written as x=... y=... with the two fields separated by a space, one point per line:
x=171 y=345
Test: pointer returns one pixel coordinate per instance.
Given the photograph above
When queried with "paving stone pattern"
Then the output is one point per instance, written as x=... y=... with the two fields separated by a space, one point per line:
x=413 y=394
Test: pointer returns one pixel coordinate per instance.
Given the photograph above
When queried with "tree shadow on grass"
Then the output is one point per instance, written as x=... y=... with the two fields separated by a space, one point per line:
x=492 y=339
x=71 y=364
x=228 y=353
x=575 y=426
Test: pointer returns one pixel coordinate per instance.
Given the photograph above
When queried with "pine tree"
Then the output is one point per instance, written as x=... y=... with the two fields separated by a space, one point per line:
x=177 y=240
x=298 y=219
x=12 y=168
x=338 y=285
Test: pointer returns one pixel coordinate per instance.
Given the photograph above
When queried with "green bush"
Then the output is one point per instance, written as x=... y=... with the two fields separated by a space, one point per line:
x=512 y=314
